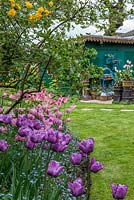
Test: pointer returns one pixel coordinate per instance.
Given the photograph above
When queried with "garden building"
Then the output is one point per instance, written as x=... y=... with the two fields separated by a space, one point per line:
x=111 y=50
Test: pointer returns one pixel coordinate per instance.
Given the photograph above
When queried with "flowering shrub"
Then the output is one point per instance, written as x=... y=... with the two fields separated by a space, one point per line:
x=16 y=8
x=33 y=39
x=39 y=157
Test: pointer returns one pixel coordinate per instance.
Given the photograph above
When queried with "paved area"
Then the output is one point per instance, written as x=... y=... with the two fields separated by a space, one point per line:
x=127 y=110
x=98 y=101
x=105 y=109
x=87 y=109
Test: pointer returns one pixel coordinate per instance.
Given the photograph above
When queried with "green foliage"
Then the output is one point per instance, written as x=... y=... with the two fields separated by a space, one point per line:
x=89 y=71
x=38 y=42
x=77 y=62
x=113 y=13
x=96 y=72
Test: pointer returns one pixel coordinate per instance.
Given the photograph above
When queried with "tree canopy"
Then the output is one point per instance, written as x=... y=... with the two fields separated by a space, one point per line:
x=112 y=14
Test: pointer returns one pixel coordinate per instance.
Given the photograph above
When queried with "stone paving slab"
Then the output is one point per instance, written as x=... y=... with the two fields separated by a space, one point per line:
x=87 y=109
x=127 y=110
x=106 y=109
x=98 y=101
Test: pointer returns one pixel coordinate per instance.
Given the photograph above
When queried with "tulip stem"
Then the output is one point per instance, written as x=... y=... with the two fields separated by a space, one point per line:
x=88 y=183
x=46 y=167
x=88 y=186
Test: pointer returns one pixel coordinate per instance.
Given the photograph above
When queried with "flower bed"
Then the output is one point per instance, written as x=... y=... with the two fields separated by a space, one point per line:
x=39 y=157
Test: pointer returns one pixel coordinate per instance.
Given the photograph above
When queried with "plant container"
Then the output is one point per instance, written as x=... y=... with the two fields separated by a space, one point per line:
x=117 y=93
x=127 y=94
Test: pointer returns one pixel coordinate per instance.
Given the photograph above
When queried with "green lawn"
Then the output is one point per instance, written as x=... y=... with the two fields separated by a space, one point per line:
x=113 y=132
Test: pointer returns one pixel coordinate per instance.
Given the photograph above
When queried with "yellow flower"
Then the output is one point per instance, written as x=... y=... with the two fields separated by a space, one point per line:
x=11 y=13
x=38 y=15
x=17 y=6
x=50 y=3
x=40 y=10
x=28 y=4
x=11 y=1
x=47 y=12
x=32 y=18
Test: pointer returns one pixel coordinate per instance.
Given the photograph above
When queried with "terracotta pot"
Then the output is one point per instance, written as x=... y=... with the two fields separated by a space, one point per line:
x=97 y=97
x=108 y=77
x=103 y=98
x=93 y=94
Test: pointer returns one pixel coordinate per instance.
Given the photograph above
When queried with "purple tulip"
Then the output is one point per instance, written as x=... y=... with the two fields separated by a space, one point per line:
x=25 y=131
x=37 y=124
x=67 y=138
x=3 y=145
x=54 y=168
x=36 y=137
x=76 y=158
x=55 y=109
x=44 y=146
x=59 y=114
x=20 y=110
x=68 y=110
x=6 y=118
x=119 y=191
x=24 y=121
x=30 y=116
x=59 y=147
x=29 y=144
x=95 y=166
x=20 y=120
x=51 y=136
x=76 y=187
x=64 y=138
x=86 y=146
x=57 y=121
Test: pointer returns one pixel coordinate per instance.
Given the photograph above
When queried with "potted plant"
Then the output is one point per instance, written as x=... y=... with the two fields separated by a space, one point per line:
x=95 y=74
x=85 y=83
x=98 y=94
x=103 y=96
x=127 y=83
x=110 y=95
x=127 y=74
x=93 y=91
x=118 y=89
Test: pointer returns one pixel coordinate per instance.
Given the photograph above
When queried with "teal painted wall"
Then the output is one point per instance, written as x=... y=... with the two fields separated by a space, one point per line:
x=121 y=52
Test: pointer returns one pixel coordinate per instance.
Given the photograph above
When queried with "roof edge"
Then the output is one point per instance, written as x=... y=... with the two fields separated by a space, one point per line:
x=109 y=39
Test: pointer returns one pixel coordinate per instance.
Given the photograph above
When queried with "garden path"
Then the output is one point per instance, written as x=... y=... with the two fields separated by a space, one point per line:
x=97 y=101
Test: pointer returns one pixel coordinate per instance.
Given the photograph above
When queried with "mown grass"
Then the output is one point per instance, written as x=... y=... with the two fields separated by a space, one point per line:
x=113 y=132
